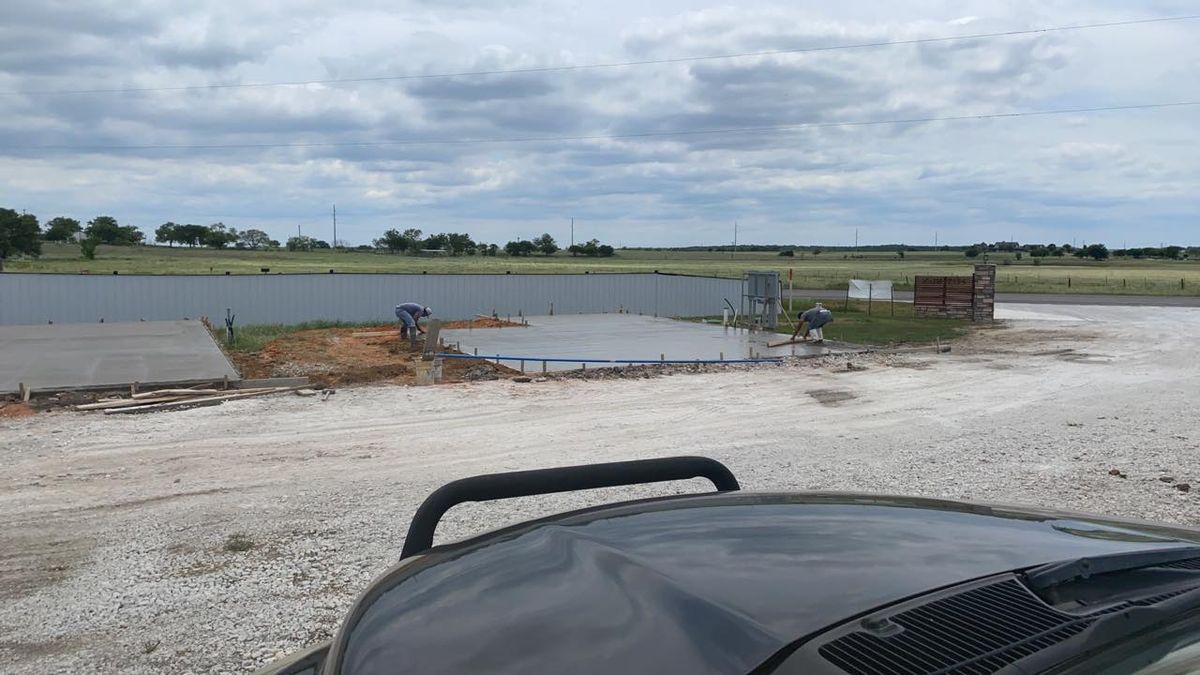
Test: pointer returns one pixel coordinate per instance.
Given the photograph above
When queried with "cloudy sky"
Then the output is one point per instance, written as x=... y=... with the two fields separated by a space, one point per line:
x=500 y=155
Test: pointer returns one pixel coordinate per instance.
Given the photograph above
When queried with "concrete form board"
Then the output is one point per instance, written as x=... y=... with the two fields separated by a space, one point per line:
x=90 y=356
x=291 y=299
x=620 y=336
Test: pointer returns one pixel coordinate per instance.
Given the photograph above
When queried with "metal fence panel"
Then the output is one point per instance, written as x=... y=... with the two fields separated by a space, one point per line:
x=290 y=299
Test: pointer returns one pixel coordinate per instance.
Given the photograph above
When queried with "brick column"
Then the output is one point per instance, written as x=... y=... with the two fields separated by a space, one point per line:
x=984 y=287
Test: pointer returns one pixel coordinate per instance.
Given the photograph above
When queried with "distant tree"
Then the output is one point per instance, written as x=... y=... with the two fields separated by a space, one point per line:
x=219 y=235
x=1095 y=251
x=546 y=244
x=605 y=251
x=493 y=249
x=254 y=239
x=1039 y=252
x=192 y=235
x=87 y=246
x=274 y=243
x=436 y=242
x=1172 y=252
x=521 y=247
x=787 y=253
x=413 y=236
x=61 y=229
x=167 y=232
x=303 y=243
x=106 y=230
x=19 y=235
x=392 y=241
x=900 y=253
x=972 y=252
x=1017 y=255
x=320 y=243
x=575 y=250
x=816 y=251
x=460 y=243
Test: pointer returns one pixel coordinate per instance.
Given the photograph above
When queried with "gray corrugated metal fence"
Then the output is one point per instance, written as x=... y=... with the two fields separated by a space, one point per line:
x=290 y=299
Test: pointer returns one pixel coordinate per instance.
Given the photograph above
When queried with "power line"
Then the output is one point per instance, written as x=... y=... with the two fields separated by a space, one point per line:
x=598 y=137
x=597 y=66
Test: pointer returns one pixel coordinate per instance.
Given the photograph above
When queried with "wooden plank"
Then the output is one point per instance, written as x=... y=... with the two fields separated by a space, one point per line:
x=147 y=398
x=271 y=382
x=127 y=402
x=198 y=402
x=378 y=333
x=176 y=392
x=784 y=343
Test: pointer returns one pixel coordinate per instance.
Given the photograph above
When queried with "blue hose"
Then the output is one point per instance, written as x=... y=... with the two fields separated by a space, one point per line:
x=501 y=357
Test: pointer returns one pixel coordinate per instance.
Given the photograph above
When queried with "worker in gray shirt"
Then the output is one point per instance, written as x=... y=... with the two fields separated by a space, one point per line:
x=816 y=317
x=409 y=314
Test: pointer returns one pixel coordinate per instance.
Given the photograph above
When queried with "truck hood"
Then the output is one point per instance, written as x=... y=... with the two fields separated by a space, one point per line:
x=713 y=584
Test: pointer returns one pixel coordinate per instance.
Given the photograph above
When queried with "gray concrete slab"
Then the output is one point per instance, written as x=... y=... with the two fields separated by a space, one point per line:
x=55 y=357
x=620 y=336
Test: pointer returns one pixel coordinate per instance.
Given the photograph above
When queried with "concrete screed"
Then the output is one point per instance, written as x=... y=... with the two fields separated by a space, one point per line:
x=622 y=336
x=53 y=357
x=112 y=556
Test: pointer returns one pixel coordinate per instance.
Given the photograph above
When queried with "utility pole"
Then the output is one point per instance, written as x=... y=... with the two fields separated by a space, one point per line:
x=735 y=228
x=935 y=239
x=572 y=232
x=297 y=230
x=856 y=241
x=335 y=226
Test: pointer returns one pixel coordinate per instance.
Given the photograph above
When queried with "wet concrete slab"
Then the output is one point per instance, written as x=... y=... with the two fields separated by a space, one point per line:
x=57 y=357
x=621 y=337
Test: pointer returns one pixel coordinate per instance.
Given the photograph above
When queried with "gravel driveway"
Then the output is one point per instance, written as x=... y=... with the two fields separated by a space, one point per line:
x=216 y=539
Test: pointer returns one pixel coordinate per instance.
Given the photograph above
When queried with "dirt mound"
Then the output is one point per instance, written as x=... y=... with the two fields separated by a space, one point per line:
x=16 y=409
x=342 y=356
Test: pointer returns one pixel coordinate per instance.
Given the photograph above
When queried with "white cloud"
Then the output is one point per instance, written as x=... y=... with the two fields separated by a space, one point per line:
x=1084 y=174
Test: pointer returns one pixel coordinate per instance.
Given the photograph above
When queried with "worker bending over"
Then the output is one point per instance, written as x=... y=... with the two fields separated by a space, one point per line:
x=410 y=314
x=816 y=318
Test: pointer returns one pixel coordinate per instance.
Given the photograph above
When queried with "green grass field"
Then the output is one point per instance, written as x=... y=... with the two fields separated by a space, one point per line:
x=886 y=324
x=828 y=270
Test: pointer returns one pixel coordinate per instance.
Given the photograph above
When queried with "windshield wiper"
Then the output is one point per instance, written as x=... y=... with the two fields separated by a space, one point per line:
x=1056 y=574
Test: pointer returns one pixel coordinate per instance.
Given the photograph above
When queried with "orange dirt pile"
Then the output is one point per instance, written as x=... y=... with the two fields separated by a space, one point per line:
x=16 y=409
x=335 y=357
x=480 y=322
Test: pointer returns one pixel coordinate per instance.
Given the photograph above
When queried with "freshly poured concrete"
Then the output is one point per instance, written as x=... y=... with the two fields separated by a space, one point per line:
x=92 y=355
x=620 y=336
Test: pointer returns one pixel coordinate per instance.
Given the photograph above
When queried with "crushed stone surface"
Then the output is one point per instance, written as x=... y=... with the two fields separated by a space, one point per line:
x=115 y=553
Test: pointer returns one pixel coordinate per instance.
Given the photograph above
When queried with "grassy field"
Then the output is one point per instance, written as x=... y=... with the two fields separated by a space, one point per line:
x=885 y=325
x=825 y=271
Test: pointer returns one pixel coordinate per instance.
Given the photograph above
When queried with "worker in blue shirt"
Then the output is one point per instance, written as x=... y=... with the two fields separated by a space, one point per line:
x=409 y=314
x=816 y=317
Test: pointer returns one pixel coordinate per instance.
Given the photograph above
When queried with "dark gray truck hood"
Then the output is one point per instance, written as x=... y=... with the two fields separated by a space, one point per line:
x=701 y=584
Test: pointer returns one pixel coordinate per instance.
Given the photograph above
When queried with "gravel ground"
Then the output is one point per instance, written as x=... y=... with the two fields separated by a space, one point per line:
x=214 y=540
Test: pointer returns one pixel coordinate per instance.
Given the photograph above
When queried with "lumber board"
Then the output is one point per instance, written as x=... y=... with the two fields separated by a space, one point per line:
x=376 y=333
x=270 y=382
x=784 y=343
x=198 y=402
x=127 y=402
x=147 y=398
x=159 y=393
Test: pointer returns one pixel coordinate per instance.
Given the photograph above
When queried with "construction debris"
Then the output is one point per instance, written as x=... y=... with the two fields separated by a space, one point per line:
x=179 y=399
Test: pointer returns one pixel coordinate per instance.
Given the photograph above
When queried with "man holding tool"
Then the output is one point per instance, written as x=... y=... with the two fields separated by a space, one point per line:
x=816 y=317
x=409 y=314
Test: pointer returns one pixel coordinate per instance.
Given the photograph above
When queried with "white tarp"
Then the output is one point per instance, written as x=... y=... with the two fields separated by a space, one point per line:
x=870 y=290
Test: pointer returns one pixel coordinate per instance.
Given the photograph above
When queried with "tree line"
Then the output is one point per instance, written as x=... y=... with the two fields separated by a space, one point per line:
x=414 y=241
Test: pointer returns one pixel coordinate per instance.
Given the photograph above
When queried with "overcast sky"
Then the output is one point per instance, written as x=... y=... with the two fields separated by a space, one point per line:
x=1129 y=176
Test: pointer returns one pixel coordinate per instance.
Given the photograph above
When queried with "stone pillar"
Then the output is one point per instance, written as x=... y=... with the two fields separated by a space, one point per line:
x=984 y=287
